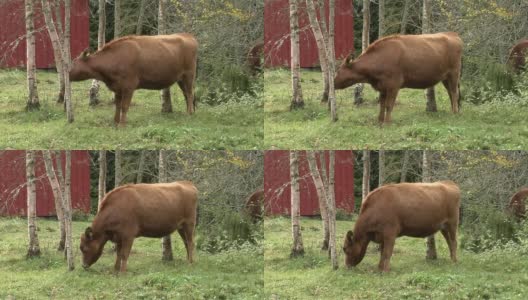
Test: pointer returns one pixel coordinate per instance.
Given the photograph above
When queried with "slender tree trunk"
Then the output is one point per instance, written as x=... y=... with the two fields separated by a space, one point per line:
x=139 y=26
x=94 y=89
x=405 y=166
x=426 y=177
x=68 y=211
x=405 y=16
x=365 y=41
x=321 y=11
x=366 y=174
x=297 y=99
x=321 y=196
x=381 y=18
x=63 y=203
x=166 y=243
x=325 y=51
x=118 y=173
x=332 y=210
x=31 y=71
x=381 y=165
x=141 y=166
x=426 y=28
x=60 y=178
x=58 y=19
x=166 y=103
x=117 y=19
x=102 y=178
x=33 y=246
x=297 y=247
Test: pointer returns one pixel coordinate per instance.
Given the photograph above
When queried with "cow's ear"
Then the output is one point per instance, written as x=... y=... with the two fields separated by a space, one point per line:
x=88 y=233
x=349 y=235
x=350 y=58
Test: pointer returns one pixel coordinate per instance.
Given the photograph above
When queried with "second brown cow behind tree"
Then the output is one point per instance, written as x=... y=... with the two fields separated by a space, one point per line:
x=141 y=62
x=148 y=210
x=253 y=207
x=517 y=57
x=405 y=209
x=406 y=61
x=517 y=205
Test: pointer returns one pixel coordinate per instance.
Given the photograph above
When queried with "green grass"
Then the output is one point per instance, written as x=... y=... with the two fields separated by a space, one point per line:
x=476 y=276
x=476 y=127
x=235 y=125
x=233 y=274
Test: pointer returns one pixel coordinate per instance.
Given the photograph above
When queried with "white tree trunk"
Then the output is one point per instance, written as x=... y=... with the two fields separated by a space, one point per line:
x=426 y=177
x=117 y=19
x=405 y=166
x=297 y=98
x=297 y=247
x=381 y=165
x=321 y=196
x=31 y=70
x=366 y=174
x=102 y=178
x=166 y=243
x=68 y=211
x=381 y=18
x=118 y=172
x=405 y=16
x=332 y=210
x=141 y=15
x=166 y=103
x=94 y=89
x=141 y=166
x=365 y=41
x=426 y=28
x=33 y=246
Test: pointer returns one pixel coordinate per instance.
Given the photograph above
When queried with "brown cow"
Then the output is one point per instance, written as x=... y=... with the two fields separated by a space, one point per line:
x=405 y=209
x=149 y=210
x=405 y=61
x=517 y=57
x=253 y=58
x=517 y=206
x=253 y=205
x=141 y=62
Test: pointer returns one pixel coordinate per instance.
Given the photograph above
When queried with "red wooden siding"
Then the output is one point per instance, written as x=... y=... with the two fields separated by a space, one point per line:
x=13 y=191
x=277 y=33
x=13 y=29
x=277 y=183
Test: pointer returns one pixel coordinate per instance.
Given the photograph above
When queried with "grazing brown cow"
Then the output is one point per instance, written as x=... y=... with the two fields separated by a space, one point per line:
x=253 y=205
x=253 y=58
x=149 y=210
x=405 y=61
x=141 y=62
x=405 y=209
x=517 y=57
x=517 y=206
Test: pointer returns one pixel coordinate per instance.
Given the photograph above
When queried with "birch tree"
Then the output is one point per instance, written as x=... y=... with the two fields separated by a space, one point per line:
x=332 y=209
x=166 y=103
x=405 y=16
x=102 y=178
x=64 y=204
x=381 y=166
x=405 y=166
x=381 y=18
x=33 y=245
x=141 y=166
x=366 y=174
x=297 y=247
x=426 y=28
x=61 y=50
x=31 y=70
x=326 y=50
x=321 y=196
x=426 y=177
x=141 y=15
x=117 y=19
x=166 y=243
x=118 y=170
x=101 y=32
x=365 y=41
x=297 y=98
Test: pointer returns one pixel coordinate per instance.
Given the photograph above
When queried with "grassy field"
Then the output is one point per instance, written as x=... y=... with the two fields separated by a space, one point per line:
x=236 y=125
x=476 y=127
x=233 y=274
x=492 y=275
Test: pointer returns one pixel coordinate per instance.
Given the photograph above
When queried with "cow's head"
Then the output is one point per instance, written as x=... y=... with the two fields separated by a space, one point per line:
x=80 y=69
x=354 y=250
x=91 y=248
x=346 y=75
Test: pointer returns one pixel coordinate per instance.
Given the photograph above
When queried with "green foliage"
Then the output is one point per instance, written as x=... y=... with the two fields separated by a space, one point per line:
x=343 y=215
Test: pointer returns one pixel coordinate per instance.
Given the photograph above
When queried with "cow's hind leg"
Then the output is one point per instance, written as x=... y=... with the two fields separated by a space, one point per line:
x=382 y=101
x=124 y=252
x=126 y=99
x=386 y=251
x=187 y=86
x=181 y=231
x=450 y=235
x=452 y=87
x=117 y=265
x=188 y=229
x=117 y=100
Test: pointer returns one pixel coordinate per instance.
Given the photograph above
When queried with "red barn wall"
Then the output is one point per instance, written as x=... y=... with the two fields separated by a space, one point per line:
x=13 y=190
x=277 y=33
x=277 y=183
x=13 y=29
